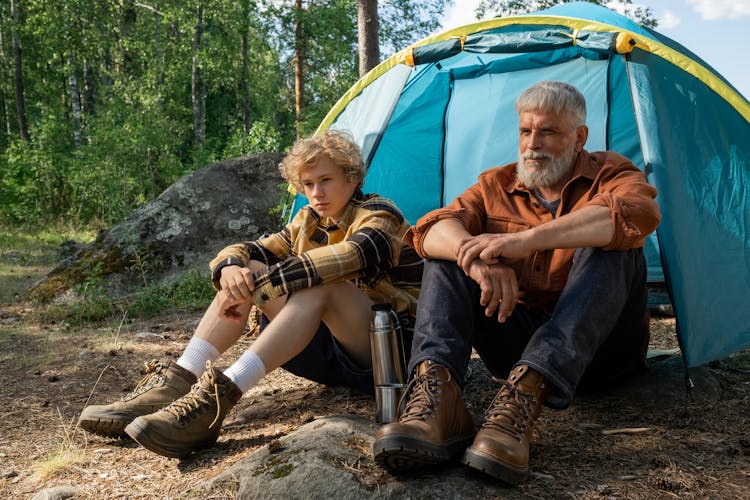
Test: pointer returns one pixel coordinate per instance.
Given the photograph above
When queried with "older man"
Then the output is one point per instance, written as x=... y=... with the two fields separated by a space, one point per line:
x=539 y=267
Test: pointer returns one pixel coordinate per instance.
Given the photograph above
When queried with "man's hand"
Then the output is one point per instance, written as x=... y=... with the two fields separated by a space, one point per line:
x=237 y=281
x=490 y=247
x=499 y=288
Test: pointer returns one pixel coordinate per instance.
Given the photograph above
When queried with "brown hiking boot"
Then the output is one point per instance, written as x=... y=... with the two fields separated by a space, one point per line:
x=190 y=423
x=501 y=448
x=165 y=381
x=434 y=424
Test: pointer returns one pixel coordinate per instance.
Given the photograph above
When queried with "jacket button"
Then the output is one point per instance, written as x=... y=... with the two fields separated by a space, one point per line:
x=264 y=297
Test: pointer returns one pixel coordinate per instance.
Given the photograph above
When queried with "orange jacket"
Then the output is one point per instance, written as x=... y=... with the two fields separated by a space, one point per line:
x=497 y=203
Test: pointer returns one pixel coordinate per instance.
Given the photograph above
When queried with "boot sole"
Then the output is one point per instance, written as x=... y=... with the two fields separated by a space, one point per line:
x=157 y=444
x=494 y=467
x=401 y=454
x=105 y=428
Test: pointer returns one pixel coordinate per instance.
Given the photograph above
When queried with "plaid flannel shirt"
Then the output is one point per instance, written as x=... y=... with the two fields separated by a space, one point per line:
x=364 y=247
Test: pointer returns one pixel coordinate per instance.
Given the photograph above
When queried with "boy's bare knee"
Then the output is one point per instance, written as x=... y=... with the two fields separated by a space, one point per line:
x=324 y=296
x=255 y=265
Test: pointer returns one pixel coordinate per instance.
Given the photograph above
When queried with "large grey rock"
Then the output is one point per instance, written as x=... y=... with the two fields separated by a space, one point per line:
x=332 y=457
x=57 y=493
x=184 y=227
x=319 y=461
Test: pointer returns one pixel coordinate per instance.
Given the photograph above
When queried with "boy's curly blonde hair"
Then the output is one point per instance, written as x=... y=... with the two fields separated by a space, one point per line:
x=337 y=145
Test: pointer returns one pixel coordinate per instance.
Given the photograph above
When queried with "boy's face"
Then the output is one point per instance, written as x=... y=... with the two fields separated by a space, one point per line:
x=327 y=188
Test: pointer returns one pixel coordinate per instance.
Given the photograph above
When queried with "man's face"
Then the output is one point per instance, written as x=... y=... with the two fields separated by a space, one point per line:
x=548 y=145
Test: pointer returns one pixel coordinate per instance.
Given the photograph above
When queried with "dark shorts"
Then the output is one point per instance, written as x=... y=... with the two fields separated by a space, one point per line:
x=325 y=362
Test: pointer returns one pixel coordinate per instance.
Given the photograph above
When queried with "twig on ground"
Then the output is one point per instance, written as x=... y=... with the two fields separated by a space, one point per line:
x=626 y=430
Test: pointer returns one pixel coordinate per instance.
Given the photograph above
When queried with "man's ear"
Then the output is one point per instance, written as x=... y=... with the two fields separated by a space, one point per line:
x=582 y=133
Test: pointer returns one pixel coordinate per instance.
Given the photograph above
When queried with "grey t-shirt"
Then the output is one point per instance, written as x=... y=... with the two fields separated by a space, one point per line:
x=551 y=206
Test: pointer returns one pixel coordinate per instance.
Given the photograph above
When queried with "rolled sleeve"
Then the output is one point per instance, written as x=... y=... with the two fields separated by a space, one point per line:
x=468 y=209
x=233 y=255
x=416 y=234
x=268 y=250
x=635 y=213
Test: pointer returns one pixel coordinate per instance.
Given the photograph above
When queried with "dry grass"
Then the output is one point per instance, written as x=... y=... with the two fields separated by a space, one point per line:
x=692 y=451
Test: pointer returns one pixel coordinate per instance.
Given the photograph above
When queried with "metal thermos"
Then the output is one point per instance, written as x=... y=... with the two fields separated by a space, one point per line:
x=388 y=361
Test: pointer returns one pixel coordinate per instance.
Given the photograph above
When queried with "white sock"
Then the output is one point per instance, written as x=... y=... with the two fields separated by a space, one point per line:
x=246 y=371
x=197 y=352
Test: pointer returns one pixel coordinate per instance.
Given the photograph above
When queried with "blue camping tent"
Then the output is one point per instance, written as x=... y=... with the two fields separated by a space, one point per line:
x=433 y=116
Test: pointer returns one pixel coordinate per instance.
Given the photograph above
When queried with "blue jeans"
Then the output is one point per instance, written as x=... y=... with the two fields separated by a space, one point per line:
x=598 y=331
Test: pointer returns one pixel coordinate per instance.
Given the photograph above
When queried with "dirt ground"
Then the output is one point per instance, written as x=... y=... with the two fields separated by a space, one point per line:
x=597 y=448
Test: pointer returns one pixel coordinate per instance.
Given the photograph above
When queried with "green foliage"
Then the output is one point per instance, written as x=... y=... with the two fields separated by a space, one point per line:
x=109 y=102
x=35 y=181
x=132 y=158
x=261 y=137
x=403 y=22
x=502 y=8
x=25 y=255
x=282 y=210
x=191 y=291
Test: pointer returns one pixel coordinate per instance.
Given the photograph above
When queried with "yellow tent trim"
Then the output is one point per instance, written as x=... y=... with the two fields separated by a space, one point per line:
x=626 y=41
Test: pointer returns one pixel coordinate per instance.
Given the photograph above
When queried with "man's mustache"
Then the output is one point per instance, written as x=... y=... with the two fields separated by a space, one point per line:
x=536 y=155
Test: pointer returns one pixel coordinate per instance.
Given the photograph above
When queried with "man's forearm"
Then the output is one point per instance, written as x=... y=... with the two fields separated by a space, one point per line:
x=443 y=239
x=588 y=227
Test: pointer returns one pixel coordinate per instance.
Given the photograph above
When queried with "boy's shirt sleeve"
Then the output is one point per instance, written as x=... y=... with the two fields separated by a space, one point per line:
x=369 y=250
x=269 y=249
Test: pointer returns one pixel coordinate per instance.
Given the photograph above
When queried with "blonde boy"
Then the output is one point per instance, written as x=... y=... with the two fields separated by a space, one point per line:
x=315 y=282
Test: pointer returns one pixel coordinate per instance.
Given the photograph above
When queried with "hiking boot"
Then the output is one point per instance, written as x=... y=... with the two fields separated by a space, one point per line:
x=165 y=381
x=190 y=423
x=434 y=424
x=501 y=447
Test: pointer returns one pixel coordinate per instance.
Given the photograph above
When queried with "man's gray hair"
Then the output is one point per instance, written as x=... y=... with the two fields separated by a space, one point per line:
x=558 y=97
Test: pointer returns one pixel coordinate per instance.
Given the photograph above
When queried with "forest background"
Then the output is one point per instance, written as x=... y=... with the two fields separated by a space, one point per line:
x=105 y=104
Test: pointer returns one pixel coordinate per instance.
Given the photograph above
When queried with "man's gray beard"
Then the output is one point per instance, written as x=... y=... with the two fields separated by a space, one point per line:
x=548 y=176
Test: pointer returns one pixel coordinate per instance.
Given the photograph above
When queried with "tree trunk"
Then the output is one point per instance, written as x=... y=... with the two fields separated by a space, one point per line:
x=127 y=25
x=159 y=51
x=23 y=128
x=299 y=60
x=367 y=35
x=75 y=100
x=244 y=89
x=89 y=88
x=6 y=114
x=197 y=84
x=4 y=64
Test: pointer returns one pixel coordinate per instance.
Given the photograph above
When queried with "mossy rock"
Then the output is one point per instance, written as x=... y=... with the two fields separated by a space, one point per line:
x=220 y=204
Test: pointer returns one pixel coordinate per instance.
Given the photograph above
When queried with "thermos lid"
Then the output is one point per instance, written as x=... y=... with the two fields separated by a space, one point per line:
x=381 y=307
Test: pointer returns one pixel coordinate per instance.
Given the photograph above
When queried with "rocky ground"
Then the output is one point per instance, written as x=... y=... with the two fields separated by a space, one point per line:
x=601 y=447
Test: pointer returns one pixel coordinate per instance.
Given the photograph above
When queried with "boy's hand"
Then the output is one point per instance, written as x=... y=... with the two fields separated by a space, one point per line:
x=228 y=305
x=237 y=281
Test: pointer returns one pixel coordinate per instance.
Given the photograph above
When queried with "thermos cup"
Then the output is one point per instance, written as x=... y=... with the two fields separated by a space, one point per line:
x=388 y=362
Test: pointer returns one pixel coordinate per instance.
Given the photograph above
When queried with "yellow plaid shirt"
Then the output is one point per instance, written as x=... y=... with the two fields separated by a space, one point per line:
x=364 y=247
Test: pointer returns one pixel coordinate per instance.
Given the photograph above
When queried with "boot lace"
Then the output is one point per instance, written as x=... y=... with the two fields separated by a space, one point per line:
x=510 y=411
x=154 y=377
x=420 y=397
x=194 y=402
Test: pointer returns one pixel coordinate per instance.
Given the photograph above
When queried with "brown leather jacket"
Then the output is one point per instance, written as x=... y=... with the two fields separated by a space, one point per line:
x=497 y=203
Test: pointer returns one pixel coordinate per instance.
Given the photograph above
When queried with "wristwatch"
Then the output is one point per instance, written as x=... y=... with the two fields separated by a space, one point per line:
x=229 y=261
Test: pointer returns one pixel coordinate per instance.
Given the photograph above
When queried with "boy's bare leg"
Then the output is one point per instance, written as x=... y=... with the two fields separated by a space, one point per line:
x=222 y=333
x=343 y=307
